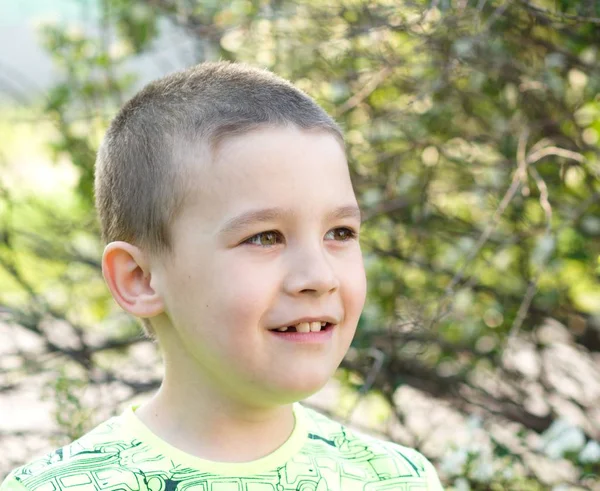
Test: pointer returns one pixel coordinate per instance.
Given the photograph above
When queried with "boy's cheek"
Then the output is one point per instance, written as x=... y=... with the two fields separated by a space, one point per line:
x=360 y=294
x=355 y=293
x=245 y=293
x=356 y=280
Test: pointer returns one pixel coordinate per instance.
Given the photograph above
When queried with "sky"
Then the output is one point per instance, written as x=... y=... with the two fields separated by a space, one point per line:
x=22 y=60
x=26 y=69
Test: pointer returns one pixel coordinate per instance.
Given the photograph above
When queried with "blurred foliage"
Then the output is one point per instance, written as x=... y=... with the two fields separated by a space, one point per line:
x=473 y=134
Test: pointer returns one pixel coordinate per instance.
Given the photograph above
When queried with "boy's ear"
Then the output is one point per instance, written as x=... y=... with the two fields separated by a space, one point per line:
x=127 y=273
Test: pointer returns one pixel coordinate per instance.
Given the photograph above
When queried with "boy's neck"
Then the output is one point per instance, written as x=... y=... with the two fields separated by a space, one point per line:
x=213 y=428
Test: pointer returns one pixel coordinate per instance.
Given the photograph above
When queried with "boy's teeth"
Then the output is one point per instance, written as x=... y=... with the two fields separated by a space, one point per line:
x=303 y=327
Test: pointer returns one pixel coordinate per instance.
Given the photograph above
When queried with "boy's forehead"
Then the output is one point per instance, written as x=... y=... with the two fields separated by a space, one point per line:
x=236 y=157
x=262 y=167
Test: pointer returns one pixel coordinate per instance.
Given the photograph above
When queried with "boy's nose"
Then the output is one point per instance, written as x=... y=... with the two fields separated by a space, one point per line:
x=311 y=271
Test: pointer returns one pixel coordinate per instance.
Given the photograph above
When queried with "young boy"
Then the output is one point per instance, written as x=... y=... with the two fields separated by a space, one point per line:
x=232 y=227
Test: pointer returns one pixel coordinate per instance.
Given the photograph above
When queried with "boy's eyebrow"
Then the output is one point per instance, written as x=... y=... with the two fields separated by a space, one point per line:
x=272 y=214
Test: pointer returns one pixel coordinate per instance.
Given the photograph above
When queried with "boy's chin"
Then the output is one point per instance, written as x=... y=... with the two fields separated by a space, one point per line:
x=295 y=389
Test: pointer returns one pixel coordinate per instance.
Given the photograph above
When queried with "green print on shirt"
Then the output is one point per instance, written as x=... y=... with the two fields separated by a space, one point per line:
x=335 y=461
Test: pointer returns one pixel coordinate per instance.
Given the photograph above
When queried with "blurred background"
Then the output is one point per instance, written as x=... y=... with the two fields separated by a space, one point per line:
x=473 y=136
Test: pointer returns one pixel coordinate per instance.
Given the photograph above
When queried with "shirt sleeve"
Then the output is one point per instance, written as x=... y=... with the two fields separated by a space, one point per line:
x=11 y=484
x=433 y=481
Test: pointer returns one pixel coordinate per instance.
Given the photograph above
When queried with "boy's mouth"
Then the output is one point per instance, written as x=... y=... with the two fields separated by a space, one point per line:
x=305 y=327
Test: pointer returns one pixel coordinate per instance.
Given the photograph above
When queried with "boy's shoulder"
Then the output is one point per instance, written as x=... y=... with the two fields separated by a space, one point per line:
x=72 y=464
x=385 y=458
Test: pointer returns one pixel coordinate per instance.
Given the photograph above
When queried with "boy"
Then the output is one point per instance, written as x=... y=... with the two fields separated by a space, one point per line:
x=232 y=227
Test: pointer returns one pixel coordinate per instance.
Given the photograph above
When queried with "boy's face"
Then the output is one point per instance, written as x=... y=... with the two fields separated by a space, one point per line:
x=233 y=277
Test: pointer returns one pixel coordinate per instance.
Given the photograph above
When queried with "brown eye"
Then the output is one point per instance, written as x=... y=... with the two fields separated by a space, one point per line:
x=342 y=234
x=265 y=239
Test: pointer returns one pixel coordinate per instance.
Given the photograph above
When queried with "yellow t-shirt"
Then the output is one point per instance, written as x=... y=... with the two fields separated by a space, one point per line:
x=122 y=454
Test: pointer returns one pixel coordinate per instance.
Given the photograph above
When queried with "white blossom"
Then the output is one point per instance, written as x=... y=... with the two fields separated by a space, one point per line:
x=461 y=484
x=483 y=468
x=590 y=453
x=562 y=437
x=453 y=463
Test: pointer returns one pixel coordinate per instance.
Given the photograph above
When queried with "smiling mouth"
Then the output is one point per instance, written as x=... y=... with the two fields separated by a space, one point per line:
x=305 y=327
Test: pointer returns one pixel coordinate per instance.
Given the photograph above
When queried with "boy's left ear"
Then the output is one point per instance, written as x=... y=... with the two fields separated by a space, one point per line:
x=126 y=270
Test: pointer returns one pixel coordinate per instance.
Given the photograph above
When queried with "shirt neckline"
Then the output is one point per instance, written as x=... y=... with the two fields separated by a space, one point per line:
x=269 y=462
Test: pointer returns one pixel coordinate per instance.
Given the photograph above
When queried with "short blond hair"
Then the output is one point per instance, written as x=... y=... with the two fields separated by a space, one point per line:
x=139 y=187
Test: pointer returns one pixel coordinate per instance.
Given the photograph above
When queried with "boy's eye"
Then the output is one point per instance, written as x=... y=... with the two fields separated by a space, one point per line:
x=273 y=237
x=268 y=238
x=342 y=234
